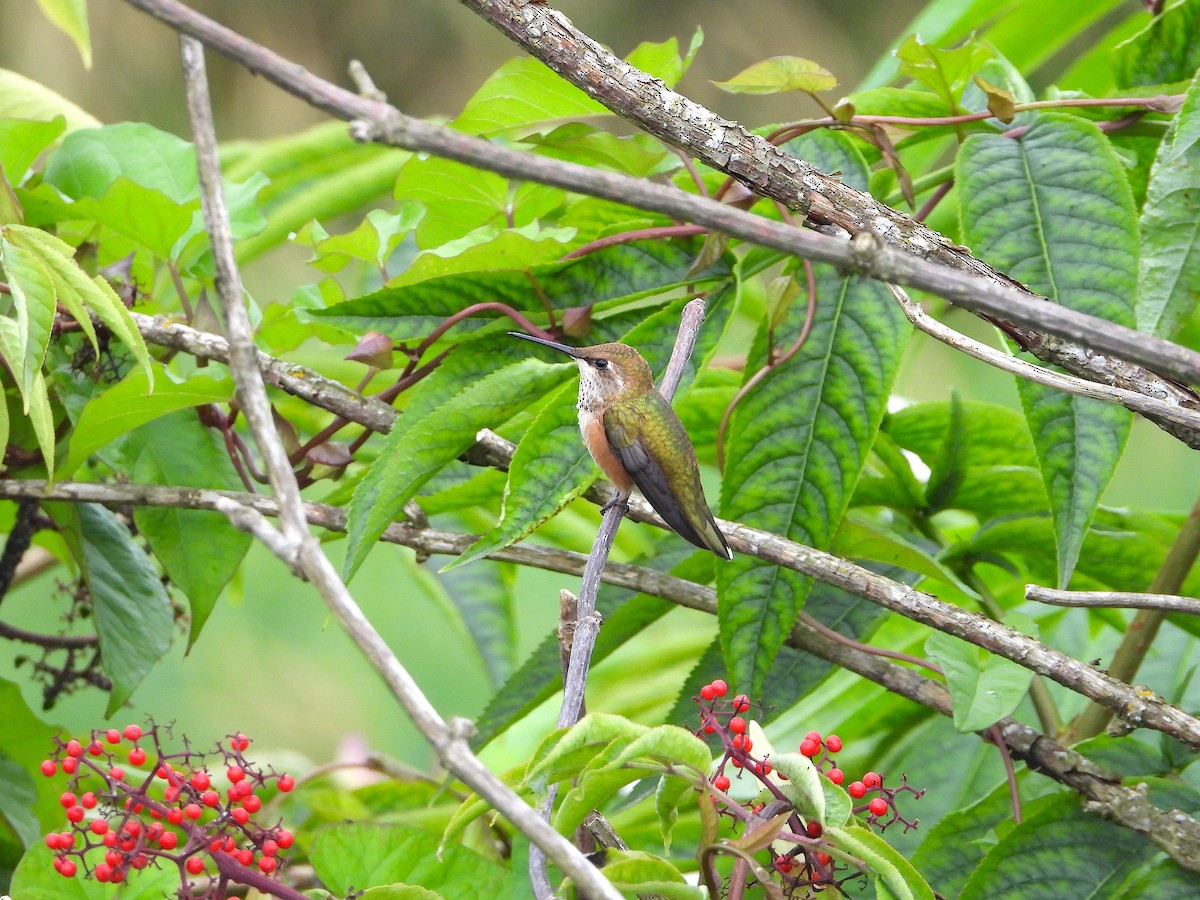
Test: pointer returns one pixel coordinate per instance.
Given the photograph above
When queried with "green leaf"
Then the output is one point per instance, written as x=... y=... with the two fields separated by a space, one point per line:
x=1164 y=52
x=803 y=786
x=415 y=450
x=399 y=892
x=778 y=74
x=1169 y=266
x=1165 y=881
x=625 y=272
x=129 y=403
x=635 y=154
x=1054 y=211
x=954 y=846
x=133 y=615
x=36 y=399
x=638 y=874
x=797 y=444
x=142 y=214
x=18 y=794
x=35 y=879
x=88 y=161
x=524 y=94
x=662 y=60
x=945 y=72
x=457 y=198
x=21 y=140
x=1064 y=851
x=71 y=17
x=483 y=597
x=985 y=688
x=356 y=856
x=372 y=241
x=33 y=297
x=896 y=872
x=861 y=538
x=23 y=98
x=199 y=549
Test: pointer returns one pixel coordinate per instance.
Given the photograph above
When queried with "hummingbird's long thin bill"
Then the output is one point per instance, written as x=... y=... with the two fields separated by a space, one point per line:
x=570 y=351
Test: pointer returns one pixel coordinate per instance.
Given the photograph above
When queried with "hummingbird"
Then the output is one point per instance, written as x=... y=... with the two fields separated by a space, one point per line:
x=636 y=439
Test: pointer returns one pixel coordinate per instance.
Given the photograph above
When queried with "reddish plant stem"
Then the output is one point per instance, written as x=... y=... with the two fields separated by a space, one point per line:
x=935 y=198
x=996 y=736
x=639 y=234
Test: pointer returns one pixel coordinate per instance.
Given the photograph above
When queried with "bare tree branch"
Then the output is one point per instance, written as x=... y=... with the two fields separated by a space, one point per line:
x=914 y=255
x=301 y=549
x=1113 y=599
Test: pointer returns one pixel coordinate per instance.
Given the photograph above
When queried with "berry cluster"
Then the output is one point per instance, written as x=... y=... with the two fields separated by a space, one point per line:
x=806 y=864
x=167 y=810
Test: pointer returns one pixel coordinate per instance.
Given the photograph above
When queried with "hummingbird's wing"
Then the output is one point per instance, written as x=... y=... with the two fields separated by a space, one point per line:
x=648 y=453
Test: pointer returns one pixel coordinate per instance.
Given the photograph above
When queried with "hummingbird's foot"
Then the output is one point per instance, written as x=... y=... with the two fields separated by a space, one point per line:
x=618 y=500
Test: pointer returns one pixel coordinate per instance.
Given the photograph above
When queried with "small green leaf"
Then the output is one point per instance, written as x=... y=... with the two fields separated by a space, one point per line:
x=1054 y=210
x=662 y=59
x=985 y=688
x=21 y=140
x=36 y=399
x=132 y=612
x=778 y=74
x=803 y=786
x=415 y=450
x=945 y=72
x=639 y=874
x=1169 y=266
x=71 y=17
x=896 y=872
x=372 y=241
x=524 y=94
x=129 y=403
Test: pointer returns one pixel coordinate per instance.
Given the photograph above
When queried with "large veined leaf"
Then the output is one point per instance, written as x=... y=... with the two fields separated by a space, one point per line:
x=417 y=449
x=623 y=272
x=1165 y=51
x=1064 y=851
x=1053 y=209
x=1169 y=265
x=797 y=444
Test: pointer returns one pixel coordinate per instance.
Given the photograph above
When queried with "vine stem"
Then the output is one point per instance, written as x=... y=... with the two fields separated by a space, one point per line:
x=299 y=549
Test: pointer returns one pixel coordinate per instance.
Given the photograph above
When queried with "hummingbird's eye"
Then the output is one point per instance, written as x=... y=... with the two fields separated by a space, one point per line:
x=601 y=364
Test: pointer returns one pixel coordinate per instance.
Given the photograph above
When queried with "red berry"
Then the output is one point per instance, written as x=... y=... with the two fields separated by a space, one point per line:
x=240 y=815
x=235 y=773
x=837 y=776
x=201 y=781
x=284 y=838
x=113 y=858
x=824 y=858
x=133 y=829
x=253 y=803
x=75 y=814
x=133 y=732
x=814 y=829
x=285 y=783
x=140 y=861
x=68 y=868
x=112 y=736
x=192 y=810
x=169 y=840
x=116 y=773
x=245 y=857
x=720 y=688
x=194 y=865
x=710 y=728
x=813 y=736
x=137 y=756
x=721 y=782
x=67 y=799
x=117 y=876
x=833 y=744
x=74 y=748
x=242 y=789
x=49 y=767
x=735 y=762
x=783 y=864
x=737 y=725
x=94 y=748
x=878 y=806
x=267 y=864
x=765 y=768
x=102 y=872
x=174 y=815
x=240 y=742
x=210 y=798
x=110 y=839
x=215 y=845
x=738 y=741
x=809 y=748
x=270 y=847
x=52 y=840
x=872 y=780
x=99 y=826
x=741 y=703
x=707 y=692
x=70 y=764
x=857 y=790
x=88 y=800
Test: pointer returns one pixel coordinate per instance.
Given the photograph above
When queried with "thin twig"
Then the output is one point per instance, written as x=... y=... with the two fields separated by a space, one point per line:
x=449 y=740
x=1113 y=599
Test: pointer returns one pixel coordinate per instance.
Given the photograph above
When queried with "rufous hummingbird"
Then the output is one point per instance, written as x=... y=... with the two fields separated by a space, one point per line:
x=636 y=438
